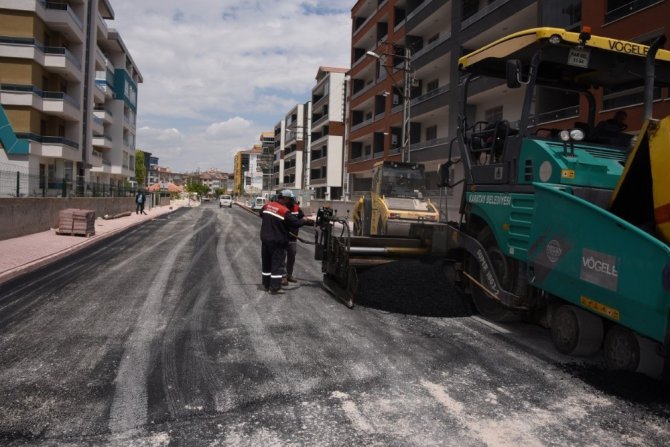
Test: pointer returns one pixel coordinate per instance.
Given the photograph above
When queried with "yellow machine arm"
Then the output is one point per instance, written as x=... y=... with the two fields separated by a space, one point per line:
x=642 y=195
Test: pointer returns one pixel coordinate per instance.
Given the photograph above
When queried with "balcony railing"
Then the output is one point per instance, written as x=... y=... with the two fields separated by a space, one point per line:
x=41 y=93
x=483 y=12
x=47 y=140
x=432 y=45
x=361 y=124
x=430 y=143
x=63 y=7
x=46 y=50
x=628 y=9
x=430 y=94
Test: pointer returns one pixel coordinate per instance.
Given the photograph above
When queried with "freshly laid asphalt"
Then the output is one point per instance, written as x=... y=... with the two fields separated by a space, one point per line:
x=25 y=254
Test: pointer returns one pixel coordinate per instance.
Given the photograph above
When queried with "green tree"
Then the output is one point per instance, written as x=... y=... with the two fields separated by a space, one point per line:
x=140 y=169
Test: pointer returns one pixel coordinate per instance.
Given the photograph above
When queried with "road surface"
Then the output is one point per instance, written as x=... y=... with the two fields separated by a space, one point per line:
x=164 y=336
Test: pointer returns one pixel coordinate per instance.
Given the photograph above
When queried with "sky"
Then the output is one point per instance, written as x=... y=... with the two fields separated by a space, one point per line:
x=217 y=73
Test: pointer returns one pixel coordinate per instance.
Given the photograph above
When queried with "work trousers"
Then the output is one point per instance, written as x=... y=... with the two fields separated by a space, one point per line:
x=273 y=255
x=289 y=262
x=140 y=208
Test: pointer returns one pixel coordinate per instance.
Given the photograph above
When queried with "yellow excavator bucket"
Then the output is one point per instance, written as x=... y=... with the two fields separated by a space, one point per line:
x=642 y=196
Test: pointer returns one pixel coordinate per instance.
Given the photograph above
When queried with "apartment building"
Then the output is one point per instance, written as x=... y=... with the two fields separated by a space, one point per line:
x=296 y=138
x=152 y=172
x=53 y=57
x=325 y=154
x=437 y=33
x=277 y=172
x=267 y=141
x=248 y=173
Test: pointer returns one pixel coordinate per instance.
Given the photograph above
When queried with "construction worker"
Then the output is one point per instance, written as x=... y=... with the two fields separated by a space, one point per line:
x=292 y=248
x=277 y=219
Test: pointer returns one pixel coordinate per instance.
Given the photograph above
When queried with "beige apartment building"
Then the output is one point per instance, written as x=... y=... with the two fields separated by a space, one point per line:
x=68 y=86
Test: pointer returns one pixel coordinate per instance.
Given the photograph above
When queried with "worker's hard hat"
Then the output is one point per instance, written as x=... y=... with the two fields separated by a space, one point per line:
x=286 y=193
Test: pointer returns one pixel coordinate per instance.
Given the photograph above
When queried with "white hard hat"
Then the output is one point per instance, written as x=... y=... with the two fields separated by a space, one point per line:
x=287 y=193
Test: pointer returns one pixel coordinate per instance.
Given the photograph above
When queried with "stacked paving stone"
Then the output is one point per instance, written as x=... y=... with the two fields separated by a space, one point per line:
x=76 y=222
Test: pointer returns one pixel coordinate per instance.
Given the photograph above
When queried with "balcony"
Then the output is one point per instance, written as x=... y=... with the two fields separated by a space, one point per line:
x=97 y=125
x=104 y=114
x=423 y=51
x=320 y=140
x=54 y=103
x=62 y=18
x=105 y=87
x=101 y=141
x=57 y=59
x=100 y=59
x=55 y=147
x=96 y=159
x=98 y=94
x=128 y=123
x=320 y=120
x=361 y=125
x=102 y=27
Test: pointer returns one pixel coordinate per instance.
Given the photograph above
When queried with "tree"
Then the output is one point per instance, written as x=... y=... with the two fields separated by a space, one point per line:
x=140 y=168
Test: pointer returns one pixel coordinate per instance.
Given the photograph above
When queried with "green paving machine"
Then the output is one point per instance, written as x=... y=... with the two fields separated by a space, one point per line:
x=568 y=227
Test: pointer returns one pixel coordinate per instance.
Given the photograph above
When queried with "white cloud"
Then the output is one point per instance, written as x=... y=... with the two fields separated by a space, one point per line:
x=230 y=128
x=227 y=70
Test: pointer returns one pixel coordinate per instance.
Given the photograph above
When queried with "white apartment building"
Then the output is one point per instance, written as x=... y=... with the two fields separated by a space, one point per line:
x=68 y=86
x=326 y=150
x=294 y=138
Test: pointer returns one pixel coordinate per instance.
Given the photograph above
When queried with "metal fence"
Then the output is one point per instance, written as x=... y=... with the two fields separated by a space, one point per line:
x=18 y=183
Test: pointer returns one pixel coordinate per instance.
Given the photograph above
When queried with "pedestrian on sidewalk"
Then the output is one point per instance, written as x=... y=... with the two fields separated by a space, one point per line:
x=140 y=198
x=274 y=238
x=292 y=247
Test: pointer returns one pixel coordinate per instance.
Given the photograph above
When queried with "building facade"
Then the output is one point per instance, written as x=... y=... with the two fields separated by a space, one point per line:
x=68 y=86
x=266 y=163
x=296 y=139
x=248 y=176
x=325 y=154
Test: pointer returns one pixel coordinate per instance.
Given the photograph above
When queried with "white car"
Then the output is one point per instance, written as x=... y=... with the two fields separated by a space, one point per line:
x=258 y=203
x=225 y=200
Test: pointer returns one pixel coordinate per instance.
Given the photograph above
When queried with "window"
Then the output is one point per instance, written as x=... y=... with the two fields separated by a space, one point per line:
x=432 y=85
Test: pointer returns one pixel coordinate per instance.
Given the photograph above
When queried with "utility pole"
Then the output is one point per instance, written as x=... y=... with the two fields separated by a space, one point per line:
x=407 y=93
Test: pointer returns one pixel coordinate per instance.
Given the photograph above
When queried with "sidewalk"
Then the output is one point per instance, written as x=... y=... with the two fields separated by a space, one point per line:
x=27 y=253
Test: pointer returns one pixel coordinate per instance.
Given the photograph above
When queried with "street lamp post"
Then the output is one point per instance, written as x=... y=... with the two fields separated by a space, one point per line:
x=406 y=96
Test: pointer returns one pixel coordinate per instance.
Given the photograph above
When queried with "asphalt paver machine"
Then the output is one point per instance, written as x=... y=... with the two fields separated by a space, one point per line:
x=568 y=227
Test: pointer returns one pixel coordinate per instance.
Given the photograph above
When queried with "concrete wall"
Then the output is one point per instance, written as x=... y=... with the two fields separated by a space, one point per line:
x=21 y=216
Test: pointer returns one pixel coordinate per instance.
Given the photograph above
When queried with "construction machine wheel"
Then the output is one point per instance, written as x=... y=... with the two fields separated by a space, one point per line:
x=622 y=351
x=509 y=274
x=575 y=331
x=627 y=351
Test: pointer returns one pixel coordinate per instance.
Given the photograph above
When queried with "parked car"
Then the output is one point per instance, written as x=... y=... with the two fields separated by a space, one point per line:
x=258 y=203
x=225 y=200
